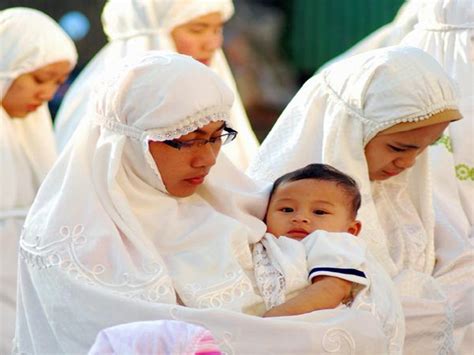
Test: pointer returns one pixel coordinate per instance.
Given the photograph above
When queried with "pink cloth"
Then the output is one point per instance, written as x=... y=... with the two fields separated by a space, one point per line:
x=155 y=337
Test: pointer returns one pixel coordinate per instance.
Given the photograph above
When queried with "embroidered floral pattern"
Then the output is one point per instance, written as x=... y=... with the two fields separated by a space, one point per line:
x=235 y=285
x=446 y=141
x=464 y=172
x=150 y=283
x=335 y=339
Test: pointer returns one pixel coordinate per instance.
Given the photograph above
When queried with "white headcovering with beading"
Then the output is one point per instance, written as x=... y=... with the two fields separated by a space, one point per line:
x=330 y=120
x=106 y=244
x=446 y=31
x=29 y=40
x=135 y=26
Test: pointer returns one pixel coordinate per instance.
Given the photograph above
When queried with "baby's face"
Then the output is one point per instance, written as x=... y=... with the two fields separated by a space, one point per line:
x=298 y=208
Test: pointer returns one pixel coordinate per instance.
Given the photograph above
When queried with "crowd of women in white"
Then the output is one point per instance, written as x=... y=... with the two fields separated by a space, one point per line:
x=141 y=219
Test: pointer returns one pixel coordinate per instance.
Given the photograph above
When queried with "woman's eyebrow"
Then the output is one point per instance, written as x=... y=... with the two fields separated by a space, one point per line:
x=47 y=74
x=407 y=146
x=205 y=24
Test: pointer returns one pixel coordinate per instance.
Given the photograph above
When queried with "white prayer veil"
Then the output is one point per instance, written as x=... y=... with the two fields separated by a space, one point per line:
x=446 y=31
x=133 y=27
x=339 y=111
x=105 y=244
x=330 y=120
x=29 y=40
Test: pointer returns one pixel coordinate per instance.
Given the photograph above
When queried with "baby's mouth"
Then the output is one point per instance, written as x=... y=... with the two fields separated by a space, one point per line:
x=297 y=233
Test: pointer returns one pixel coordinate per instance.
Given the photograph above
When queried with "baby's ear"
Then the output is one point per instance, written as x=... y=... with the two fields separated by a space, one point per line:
x=355 y=227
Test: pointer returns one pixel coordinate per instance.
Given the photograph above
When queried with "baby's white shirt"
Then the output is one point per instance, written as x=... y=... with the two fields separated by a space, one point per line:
x=291 y=264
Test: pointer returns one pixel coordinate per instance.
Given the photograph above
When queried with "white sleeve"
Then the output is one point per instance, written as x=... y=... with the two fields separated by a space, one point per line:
x=341 y=255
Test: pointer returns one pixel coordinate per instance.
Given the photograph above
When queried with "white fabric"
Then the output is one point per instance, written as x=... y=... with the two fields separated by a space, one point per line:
x=345 y=254
x=330 y=121
x=157 y=337
x=127 y=248
x=295 y=260
x=29 y=40
x=389 y=35
x=134 y=27
x=446 y=31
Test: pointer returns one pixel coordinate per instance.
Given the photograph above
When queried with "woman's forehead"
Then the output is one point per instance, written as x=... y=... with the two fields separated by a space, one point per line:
x=210 y=128
x=210 y=19
x=55 y=69
x=416 y=135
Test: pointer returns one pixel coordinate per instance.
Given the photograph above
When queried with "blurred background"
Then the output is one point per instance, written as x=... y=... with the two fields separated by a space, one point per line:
x=273 y=46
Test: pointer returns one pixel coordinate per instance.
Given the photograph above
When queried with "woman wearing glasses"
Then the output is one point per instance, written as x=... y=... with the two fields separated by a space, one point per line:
x=191 y=27
x=141 y=215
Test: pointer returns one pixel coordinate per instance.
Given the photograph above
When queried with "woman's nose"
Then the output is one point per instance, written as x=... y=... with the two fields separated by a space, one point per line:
x=406 y=162
x=205 y=157
x=47 y=92
x=213 y=41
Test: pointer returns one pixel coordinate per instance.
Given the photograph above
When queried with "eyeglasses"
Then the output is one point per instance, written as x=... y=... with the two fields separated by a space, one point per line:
x=224 y=138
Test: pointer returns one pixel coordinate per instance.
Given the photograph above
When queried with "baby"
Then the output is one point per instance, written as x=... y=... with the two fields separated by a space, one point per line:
x=304 y=206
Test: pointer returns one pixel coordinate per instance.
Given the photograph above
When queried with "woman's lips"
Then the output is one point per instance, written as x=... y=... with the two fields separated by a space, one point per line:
x=198 y=180
x=31 y=108
x=390 y=173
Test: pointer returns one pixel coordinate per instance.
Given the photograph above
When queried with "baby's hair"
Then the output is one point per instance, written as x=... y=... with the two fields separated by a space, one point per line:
x=323 y=172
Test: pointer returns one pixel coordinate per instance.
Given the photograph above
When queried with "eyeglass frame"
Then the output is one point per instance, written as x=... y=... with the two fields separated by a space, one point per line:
x=231 y=133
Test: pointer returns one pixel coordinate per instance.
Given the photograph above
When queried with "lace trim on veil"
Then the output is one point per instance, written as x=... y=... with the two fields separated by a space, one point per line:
x=375 y=127
x=185 y=126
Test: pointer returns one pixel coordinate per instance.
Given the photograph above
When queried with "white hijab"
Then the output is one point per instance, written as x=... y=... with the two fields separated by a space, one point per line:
x=133 y=27
x=105 y=243
x=29 y=40
x=330 y=120
x=446 y=31
x=339 y=111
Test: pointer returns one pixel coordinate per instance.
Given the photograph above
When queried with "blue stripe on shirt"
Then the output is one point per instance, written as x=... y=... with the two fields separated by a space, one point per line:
x=354 y=272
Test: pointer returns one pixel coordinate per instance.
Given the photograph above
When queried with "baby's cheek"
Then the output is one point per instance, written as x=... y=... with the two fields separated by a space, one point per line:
x=279 y=228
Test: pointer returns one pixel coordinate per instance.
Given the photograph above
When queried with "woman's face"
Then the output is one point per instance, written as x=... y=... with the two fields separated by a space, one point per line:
x=30 y=90
x=184 y=170
x=388 y=155
x=199 y=38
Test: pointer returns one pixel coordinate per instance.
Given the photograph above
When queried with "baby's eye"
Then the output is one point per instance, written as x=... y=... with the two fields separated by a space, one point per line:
x=320 y=212
x=396 y=149
x=286 y=209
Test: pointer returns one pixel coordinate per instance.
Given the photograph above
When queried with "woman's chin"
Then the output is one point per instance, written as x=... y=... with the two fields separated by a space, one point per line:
x=18 y=113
